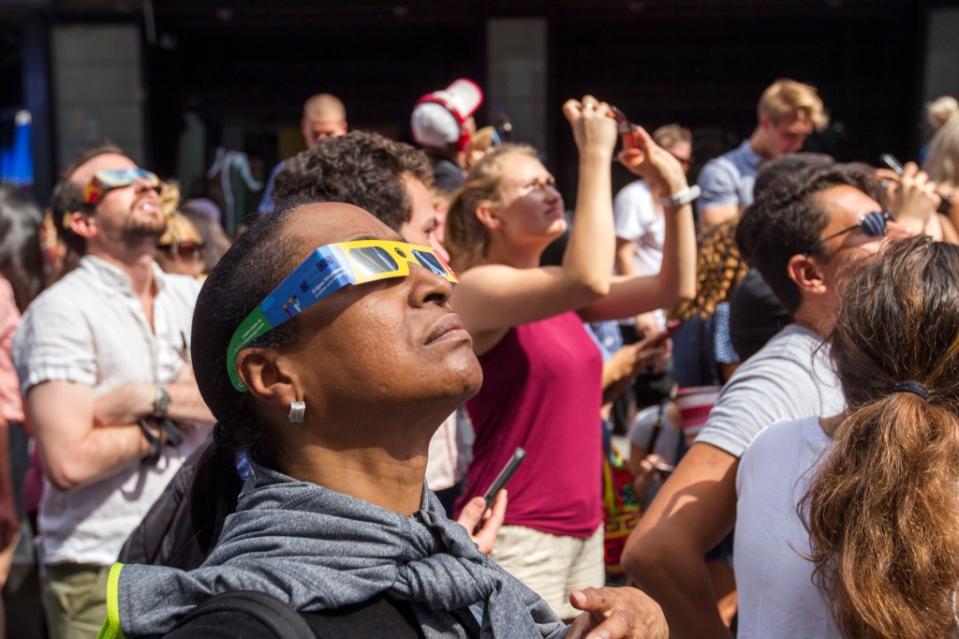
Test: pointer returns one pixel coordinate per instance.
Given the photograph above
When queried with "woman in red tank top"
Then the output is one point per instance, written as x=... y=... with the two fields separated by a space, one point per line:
x=542 y=387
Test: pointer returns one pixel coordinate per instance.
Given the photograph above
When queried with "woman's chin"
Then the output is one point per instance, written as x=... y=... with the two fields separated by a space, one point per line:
x=556 y=227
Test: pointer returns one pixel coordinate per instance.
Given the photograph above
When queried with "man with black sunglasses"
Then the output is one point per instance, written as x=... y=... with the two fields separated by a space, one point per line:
x=801 y=235
x=103 y=358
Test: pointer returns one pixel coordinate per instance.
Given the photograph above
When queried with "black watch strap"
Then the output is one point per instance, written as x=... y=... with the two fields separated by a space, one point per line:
x=174 y=436
x=156 y=446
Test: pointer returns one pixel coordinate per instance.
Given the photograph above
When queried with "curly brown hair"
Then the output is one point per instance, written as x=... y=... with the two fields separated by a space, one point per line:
x=360 y=168
x=719 y=269
x=883 y=510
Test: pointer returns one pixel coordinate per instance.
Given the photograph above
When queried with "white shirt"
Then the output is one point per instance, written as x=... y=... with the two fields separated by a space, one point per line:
x=791 y=377
x=777 y=597
x=450 y=452
x=639 y=219
x=90 y=328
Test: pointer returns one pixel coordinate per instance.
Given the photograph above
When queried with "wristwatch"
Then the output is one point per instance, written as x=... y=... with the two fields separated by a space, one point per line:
x=161 y=402
x=681 y=197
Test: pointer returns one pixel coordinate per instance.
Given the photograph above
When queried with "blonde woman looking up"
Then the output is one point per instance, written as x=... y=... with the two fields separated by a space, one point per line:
x=542 y=387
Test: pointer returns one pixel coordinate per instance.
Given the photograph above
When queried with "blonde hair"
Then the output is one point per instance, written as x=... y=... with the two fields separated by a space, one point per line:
x=179 y=228
x=466 y=237
x=483 y=139
x=785 y=97
x=169 y=198
x=941 y=110
x=942 y=163
x=671 y=134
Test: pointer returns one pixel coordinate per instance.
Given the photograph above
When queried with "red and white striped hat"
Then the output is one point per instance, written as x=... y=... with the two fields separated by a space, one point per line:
x=438 y=118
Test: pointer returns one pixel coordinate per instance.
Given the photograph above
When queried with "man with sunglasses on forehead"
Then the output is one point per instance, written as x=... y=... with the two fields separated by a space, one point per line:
x=103 y=358
x=801 y=235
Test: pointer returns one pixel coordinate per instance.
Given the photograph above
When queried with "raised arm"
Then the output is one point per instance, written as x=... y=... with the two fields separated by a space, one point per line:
x=498 y=295
x=676 y=279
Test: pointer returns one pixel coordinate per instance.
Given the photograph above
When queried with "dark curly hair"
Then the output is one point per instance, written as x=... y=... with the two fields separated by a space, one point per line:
x=786 y=220
x=359 y=168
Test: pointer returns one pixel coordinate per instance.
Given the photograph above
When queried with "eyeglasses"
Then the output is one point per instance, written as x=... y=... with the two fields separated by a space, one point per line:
x=325 y=271
x=184 y=250
x=872 y=225
x=105 y=181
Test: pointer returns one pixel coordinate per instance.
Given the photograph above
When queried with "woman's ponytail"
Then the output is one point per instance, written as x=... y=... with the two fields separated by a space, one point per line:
x=883 y=509
x=883 y=519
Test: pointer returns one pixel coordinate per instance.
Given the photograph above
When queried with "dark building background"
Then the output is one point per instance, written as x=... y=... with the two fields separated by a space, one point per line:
x=245 y=67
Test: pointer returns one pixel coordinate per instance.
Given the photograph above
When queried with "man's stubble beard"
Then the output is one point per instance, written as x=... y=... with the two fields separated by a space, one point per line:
x=135 y=231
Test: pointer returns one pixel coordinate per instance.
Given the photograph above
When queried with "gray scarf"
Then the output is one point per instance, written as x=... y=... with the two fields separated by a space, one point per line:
x=317 y=549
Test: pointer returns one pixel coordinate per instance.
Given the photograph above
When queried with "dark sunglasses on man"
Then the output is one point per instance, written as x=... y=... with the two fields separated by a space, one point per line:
x=105 y=181
x=872 y=225
x=183 y=250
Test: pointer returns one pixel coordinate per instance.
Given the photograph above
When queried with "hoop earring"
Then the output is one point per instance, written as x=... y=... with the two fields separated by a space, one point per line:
x=297 y=412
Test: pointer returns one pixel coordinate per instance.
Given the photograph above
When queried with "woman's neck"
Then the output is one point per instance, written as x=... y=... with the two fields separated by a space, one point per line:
x=515 y=256
x=369 y=474
x=382 y=461
x=830 y=425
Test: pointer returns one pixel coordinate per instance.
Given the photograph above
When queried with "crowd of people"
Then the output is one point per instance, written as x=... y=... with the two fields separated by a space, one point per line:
x=298 y=430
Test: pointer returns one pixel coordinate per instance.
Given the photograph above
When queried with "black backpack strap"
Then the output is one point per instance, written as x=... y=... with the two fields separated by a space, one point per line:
x=281 y=619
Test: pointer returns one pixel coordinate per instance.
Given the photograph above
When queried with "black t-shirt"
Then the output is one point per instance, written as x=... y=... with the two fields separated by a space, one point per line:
x=755 y=315
x=447 y=175
x=247 y=615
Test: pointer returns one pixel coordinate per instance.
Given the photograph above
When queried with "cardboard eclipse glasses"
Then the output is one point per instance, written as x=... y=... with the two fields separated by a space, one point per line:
x=105 y=181
x=325 y=271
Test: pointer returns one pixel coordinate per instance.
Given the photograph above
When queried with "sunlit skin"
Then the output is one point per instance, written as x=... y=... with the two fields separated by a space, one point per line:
x=379 y=366
x=531 y=209
x=321 y=126
x=127 y=214
x=772 y=140
x=682 y=151
x=847 y=206
x=422 y=224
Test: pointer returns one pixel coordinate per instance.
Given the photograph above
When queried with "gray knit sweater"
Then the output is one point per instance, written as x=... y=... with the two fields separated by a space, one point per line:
x=321 y=550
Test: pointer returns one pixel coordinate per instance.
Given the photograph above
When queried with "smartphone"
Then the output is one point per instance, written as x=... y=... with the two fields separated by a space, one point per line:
x=890 y=160
x=504 y=476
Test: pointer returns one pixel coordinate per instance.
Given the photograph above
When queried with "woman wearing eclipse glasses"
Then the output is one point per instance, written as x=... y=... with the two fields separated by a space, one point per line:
x=327 y=350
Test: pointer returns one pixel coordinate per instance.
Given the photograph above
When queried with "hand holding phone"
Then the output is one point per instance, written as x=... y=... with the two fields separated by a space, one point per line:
x=504 y=476
x=890 y=160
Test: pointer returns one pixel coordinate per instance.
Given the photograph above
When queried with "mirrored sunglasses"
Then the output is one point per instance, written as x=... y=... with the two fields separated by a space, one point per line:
x=325 y=271
x=872 y=225
x=183 y=250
